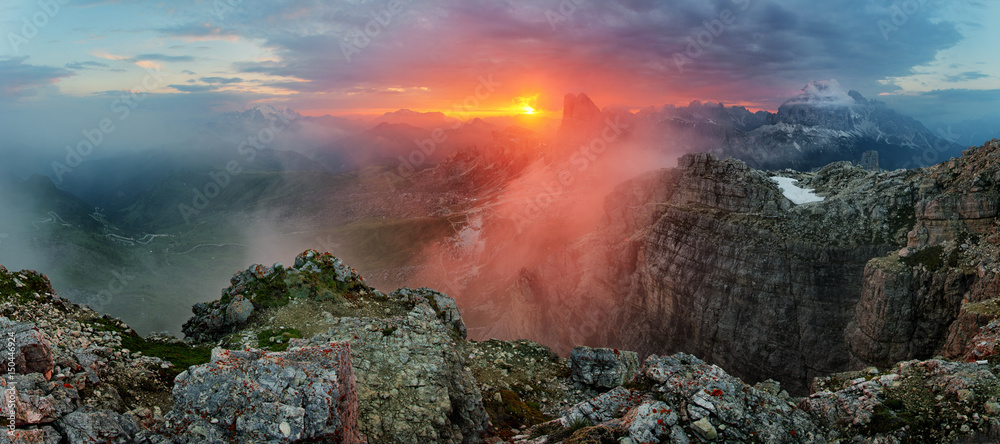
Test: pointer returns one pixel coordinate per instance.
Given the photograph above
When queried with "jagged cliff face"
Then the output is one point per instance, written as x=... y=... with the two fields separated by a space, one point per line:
x=711 y=258
x=716 y=261
x=933 y=296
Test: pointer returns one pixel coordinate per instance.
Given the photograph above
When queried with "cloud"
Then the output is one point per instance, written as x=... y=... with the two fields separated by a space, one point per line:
x=969 y=75
x=86 y=65
x=19 y=79
x=163 y=58
x=194 y=88
x=222 y=80
x=621 y=52
x=822 y=93
x=947 y=106
x=763 y=53
x=200 y=32
x=146 y=64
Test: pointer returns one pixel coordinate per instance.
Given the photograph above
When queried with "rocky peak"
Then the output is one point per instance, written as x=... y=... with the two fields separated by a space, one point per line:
x=858 y=98
x=263 y=112
x=579 y=112
x=728 y=185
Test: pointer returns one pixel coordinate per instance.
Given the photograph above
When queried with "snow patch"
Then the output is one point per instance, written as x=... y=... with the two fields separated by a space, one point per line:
x=794 y=193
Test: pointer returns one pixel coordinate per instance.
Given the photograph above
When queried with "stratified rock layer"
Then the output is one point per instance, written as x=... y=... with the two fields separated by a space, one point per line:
x=711 y=258
x=412 y=382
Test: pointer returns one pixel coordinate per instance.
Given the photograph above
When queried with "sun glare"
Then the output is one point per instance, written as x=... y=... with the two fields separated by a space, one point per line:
x=526 y=104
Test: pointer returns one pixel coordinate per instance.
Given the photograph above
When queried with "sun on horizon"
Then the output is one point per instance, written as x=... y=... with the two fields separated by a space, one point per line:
x=526 y=104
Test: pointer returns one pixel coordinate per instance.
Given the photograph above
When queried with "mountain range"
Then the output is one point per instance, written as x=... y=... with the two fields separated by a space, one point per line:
x=350 y=184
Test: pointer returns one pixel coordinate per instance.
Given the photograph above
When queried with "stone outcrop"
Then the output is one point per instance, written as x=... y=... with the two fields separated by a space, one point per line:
x=304 y=394
x=313 y=276
x=412 y=382
x=579 y=112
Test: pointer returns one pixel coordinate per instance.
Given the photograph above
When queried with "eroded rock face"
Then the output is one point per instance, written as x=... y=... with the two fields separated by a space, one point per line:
x=412 y=382
x=306 y=393
x=933 y=296
x=711 y=258
x=904 y=312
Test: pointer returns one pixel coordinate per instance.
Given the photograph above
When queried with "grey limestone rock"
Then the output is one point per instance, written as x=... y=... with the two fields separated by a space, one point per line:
x=603 y=367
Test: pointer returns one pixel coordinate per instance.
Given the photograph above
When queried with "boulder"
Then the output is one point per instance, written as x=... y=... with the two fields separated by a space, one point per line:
x=104 y=426
x=37 y=401
x=33 y=351
x=444 y=306
x=603 y=367
x=239 y=310
x=41 y=435
x=603 y=408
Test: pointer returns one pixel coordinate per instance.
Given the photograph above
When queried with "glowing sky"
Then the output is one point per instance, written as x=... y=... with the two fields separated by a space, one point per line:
x=351 y=56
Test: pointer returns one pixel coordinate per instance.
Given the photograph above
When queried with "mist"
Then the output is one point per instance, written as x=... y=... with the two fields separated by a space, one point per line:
x=509 y=241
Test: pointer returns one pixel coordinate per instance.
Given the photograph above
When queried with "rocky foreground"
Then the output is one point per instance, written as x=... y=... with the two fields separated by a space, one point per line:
x=310 y=353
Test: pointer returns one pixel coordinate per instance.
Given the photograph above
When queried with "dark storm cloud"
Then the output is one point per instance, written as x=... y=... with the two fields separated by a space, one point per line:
x=763 y=47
